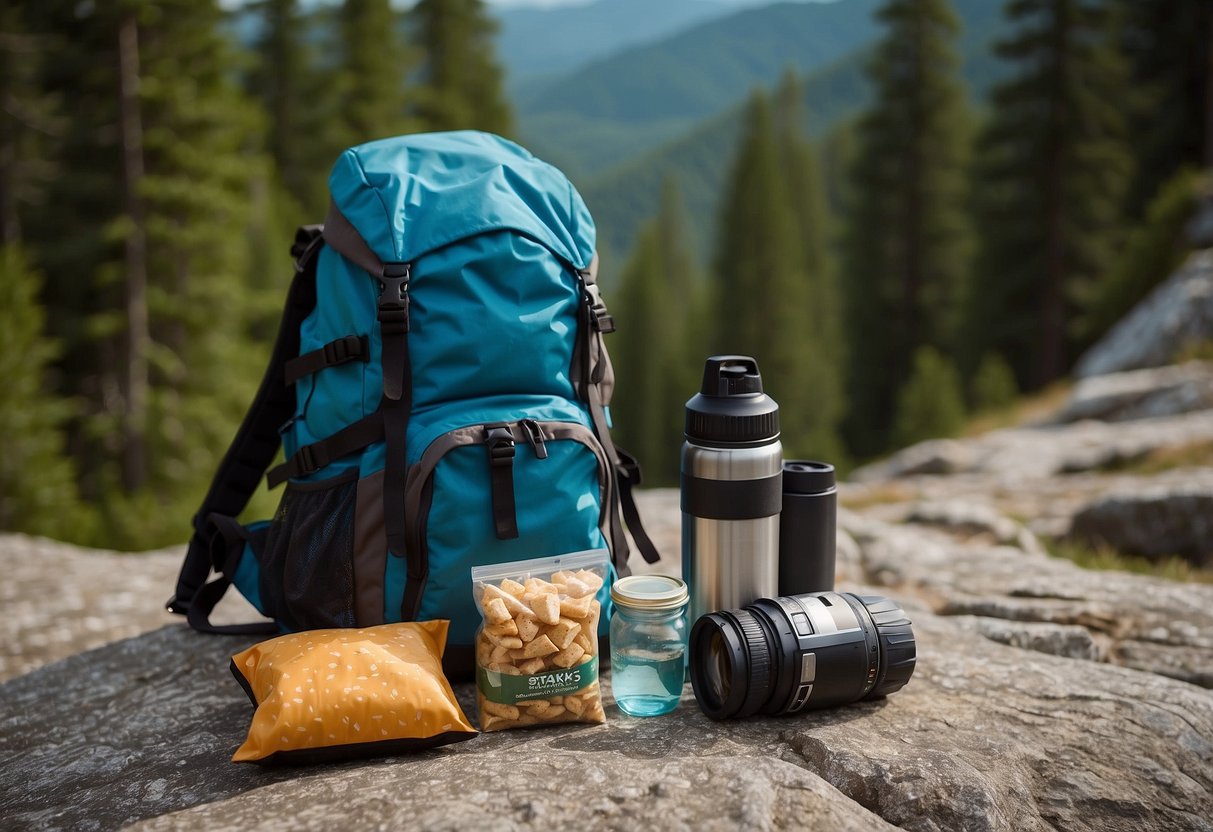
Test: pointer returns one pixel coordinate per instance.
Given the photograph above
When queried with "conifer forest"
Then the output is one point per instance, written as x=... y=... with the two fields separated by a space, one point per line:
x=904 y=245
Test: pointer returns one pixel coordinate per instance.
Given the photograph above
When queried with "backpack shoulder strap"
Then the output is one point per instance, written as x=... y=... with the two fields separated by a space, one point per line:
x=256 y=442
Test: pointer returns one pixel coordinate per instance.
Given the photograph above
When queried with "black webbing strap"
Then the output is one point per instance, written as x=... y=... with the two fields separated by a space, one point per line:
x=396 y=406
x=228 y=537
x=619 y=541
x=418 y=567
x=501 y=448
x=629 y=478
x=397 y=403
x=332 y=354
x=257 y=441
x=313 y=457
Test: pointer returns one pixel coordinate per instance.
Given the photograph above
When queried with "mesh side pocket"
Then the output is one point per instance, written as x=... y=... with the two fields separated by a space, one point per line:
x=307 y=572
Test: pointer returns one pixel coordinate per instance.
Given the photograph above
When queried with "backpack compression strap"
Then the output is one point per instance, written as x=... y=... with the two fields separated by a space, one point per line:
x=397 y=402
x=590 y=369
x=391 y=421
x=250 y=453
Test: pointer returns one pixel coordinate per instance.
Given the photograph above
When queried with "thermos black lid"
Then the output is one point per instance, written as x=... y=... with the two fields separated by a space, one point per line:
x=803 y=476
x=730 y=407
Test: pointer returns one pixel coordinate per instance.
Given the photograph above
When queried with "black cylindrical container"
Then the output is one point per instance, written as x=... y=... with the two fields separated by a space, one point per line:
x=807 y=527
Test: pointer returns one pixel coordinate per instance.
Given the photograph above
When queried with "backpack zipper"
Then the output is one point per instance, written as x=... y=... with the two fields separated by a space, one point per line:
x=534 y=435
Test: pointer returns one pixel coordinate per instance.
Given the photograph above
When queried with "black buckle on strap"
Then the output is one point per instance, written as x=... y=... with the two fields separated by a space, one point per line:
x=394 y=287
x=308 y=238
x=603 y=320
x=501 y=444
x=343 y=349
x=628 y=467
x=600 y=318
x=309 y=461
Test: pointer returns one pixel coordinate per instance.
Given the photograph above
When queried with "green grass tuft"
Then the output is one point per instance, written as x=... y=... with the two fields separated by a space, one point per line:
x=1104 y=558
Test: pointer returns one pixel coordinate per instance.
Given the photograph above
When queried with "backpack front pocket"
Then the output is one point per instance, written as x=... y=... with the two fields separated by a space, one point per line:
x=307 y=568
x=495 y=493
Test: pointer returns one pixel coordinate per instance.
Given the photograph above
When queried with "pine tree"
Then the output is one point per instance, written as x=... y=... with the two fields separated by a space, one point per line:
x=761 y=290
x=375 y=67
x=906 y=240
x=37 y=481
x=993 y=386
x=1151 y=252
x=1051 y=181
x=657 y=360
x=152 y=230
x=461 y=79
x=67 y=232
x=202 y=166
x=930 y=404
x=1170 y=46
x=822 y=324
x=298 y=104
x=30 y=120
x=639 y=357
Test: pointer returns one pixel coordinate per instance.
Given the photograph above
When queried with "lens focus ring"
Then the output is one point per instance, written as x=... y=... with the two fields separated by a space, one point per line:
x=897 y=646
x=758 y=651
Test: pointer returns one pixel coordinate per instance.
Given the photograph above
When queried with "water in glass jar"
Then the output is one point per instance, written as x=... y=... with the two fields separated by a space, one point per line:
x=647 y=681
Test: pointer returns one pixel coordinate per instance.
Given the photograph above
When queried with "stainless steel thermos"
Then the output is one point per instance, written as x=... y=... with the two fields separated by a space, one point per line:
x=732 y=491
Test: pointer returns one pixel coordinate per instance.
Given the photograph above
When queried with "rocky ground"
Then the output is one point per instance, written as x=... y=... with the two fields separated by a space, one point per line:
x=57 y=600
x=1047 y=696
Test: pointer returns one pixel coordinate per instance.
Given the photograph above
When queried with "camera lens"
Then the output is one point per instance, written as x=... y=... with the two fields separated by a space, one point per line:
x=719 y=670
x=783 y=655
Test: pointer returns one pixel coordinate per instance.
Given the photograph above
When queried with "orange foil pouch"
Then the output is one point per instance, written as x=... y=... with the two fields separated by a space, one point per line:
x=324 y=695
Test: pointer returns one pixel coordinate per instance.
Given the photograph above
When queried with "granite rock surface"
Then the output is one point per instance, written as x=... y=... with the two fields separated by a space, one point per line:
x=1156 y=521
x=1046 y=696
x=986 y=736
x=1141 y=394
x=1176 y=316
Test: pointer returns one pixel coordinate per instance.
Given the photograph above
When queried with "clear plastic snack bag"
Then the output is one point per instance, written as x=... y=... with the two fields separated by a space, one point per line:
x=537 y=647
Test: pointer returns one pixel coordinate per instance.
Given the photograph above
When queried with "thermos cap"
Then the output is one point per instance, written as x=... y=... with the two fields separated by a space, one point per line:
x=803 y=476
x=649 y=592
x=730 y=406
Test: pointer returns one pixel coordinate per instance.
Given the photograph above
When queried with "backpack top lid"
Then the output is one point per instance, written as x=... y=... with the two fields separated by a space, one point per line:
x=412 y=194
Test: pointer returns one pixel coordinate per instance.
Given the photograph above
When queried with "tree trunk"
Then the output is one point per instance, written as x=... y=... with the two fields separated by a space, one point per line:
x=10 y=54
x=1209 y=98
x=134 y=373
x=1052 y=300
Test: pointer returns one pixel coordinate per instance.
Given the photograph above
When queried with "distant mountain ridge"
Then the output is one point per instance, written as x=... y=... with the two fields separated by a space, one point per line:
x=625 y=104
x=699 y=71
x=550 y=41
x=625 y=195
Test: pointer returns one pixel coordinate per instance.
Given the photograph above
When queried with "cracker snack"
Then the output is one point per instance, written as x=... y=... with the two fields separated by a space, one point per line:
x=537 y=649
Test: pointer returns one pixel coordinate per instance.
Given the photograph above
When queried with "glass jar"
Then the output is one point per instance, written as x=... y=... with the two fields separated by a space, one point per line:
x=648 y=644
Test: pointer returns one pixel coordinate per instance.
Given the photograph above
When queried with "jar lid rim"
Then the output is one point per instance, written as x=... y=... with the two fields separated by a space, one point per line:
x=649 y=592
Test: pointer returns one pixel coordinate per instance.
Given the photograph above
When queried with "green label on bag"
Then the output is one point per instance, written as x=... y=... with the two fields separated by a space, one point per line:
x=505 y=689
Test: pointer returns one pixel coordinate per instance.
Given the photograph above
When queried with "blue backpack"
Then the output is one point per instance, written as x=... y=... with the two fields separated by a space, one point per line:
x=440 y=388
